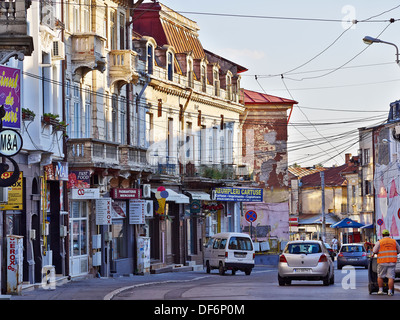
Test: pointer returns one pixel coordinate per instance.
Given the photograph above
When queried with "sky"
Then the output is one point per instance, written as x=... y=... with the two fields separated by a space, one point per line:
x=310 y=51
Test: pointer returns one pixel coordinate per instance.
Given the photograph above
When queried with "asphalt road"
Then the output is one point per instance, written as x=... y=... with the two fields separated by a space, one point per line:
x=262 y=284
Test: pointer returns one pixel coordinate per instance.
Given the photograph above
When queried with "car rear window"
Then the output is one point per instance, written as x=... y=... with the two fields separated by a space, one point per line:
x=352 y=249
x=303 y=248
x=240 y=243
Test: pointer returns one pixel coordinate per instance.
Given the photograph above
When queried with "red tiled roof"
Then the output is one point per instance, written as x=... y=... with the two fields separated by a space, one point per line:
x=252 y=97
x=332 y=177
x=300 y=172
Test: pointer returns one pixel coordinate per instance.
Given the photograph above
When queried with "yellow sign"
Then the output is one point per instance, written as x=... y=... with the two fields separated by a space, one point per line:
x=14 y=193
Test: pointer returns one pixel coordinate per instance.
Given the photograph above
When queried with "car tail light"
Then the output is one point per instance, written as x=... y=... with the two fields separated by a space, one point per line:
x=226 y=254
x=254 y=255
x=364 y=254
x=282 y=258
x=323 y=258
x=340 y=255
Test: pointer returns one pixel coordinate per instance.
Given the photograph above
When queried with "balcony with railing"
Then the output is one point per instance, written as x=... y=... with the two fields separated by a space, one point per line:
x=14 y=39
x=123 y=66
x=88 y=51
x=200 y=86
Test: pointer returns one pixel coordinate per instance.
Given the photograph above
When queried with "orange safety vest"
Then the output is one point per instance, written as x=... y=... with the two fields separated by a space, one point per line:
x=387 y=251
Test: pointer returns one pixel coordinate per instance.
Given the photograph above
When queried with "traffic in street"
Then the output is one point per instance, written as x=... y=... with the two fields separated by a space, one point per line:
x=351 y=283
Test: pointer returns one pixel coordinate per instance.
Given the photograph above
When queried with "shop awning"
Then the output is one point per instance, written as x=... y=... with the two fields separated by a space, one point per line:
x=305 y=219
x=199 y=195
x=347 y=223
x=174 y=196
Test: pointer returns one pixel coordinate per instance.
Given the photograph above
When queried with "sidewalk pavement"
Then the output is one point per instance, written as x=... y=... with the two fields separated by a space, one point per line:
x=92 y=288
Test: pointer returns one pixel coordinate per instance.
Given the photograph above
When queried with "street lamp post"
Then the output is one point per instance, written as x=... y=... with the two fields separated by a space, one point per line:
x=369 y=40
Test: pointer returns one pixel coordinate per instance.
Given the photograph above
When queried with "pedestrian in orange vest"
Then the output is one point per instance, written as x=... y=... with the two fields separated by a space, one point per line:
x=387 y=250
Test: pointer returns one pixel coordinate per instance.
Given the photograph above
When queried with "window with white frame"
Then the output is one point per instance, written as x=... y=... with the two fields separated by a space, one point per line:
x=122 y=119
x=114 y=117
x=113 y=30
x=190 y=72
x=216 y=82
x=229 y=86
x=68 y=106
x=203 y=79
x=76 y=18
x=88 y=111
x=121 y=31
x=86 y=10
x=149 y=129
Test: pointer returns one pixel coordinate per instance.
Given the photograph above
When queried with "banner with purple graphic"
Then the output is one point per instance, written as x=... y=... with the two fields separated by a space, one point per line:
x=10 y=96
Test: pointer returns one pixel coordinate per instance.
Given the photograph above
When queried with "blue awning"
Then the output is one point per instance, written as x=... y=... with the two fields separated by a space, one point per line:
x=347 y=223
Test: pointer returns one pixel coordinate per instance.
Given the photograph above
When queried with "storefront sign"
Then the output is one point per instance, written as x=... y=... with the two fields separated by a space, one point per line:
x=14 y=264
x=78 y=179
x=85 y=194
x=117 y=193
x=10 y=142
x=14 y=193
x=239 y=194
x=103 y=212
x=137 y=209
x=10 y=96
x=118 y=209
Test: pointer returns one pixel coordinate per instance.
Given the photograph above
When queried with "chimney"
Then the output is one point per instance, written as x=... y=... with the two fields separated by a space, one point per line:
x=348 y=157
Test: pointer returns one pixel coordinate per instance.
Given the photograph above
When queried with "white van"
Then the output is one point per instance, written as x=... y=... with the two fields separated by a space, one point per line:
x=229 y=251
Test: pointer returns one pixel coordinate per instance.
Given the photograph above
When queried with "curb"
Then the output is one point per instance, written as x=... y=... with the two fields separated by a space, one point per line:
x=110 y=296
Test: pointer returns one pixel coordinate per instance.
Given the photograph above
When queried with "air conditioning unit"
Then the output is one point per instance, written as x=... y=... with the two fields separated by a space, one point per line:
x=148 y=210
x=3 y=194
x=58 y=50
x=146 y=191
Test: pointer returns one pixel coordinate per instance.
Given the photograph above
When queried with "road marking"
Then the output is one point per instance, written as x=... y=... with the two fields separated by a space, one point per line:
x=110 y=295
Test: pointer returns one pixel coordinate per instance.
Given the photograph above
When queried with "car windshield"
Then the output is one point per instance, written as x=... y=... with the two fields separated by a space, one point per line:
x=240 y=243
x=352 y=249
x=303 y=248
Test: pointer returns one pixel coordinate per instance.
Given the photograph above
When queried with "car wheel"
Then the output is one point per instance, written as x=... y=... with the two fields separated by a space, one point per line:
x=326 y=280
x=281 y=280
x=332 y=281
x=208 y=268
x=233 y=272
x=339 y=266
x=247 y=272
x=221 y=269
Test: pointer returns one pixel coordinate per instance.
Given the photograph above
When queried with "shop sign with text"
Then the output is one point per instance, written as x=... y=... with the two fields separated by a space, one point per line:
x=239 y=194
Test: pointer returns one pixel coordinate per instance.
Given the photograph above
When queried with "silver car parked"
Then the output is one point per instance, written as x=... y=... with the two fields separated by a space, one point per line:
x=305 y=260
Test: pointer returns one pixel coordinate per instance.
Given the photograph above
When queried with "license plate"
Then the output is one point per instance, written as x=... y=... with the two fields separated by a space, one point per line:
x=303 y=270
x=352 y=259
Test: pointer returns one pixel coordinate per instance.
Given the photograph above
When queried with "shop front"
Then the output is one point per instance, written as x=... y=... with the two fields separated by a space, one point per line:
x=81 y=208
x=167 y=227
x=129 y=213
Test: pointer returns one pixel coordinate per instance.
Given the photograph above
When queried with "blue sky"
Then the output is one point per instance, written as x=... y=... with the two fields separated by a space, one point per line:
x=336 y=96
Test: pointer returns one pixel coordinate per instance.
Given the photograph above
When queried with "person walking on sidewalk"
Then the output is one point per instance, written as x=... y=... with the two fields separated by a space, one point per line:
x=387 y=250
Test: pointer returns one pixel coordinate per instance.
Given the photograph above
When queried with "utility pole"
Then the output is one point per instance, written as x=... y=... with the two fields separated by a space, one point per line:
x=323 y=205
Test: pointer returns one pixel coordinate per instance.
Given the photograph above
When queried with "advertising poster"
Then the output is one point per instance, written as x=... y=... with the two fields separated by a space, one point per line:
x=10 y=96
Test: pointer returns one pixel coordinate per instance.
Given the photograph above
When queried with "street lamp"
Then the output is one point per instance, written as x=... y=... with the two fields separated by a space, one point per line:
x=369 y=40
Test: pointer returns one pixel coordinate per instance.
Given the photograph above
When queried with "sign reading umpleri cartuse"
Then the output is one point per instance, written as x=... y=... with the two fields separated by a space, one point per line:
x=239 y=194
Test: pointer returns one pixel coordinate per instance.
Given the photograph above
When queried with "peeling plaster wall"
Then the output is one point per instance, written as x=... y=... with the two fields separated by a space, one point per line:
x=265 y=151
